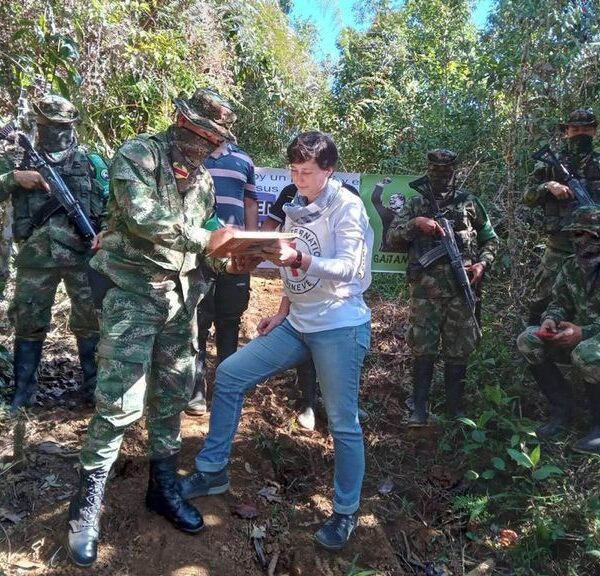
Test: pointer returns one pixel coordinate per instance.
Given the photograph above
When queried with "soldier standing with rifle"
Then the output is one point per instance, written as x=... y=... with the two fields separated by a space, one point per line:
x=548 y=188
x=439 y=308
x=51 y=248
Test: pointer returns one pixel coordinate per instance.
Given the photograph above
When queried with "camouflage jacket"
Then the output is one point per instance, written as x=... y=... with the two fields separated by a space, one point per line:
x=557 y=213
x=56 y=242
x=474 y=233
x=154 y=238
x=572 y=302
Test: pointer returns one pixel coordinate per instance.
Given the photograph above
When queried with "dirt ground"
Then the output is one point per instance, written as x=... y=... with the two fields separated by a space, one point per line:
x=283 y=473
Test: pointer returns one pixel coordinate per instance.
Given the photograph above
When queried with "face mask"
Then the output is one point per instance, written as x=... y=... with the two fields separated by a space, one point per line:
x=580 y=144
x=55 y=137
x=191 y=146
x=587 y=251
x=442 y=183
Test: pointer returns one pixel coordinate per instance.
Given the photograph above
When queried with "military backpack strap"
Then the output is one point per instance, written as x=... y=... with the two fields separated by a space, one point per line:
x=99 y=171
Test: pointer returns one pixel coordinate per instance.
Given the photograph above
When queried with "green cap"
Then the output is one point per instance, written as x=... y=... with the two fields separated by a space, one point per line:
x=441 y=157
x=209 y=111
x=580 y=117
x=56 y=109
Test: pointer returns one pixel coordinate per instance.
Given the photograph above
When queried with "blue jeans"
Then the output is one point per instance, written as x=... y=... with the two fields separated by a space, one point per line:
x=338 y=356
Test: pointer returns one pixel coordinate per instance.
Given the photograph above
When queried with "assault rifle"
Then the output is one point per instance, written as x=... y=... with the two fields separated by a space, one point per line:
x=582 y=196
x=59 y=190
x=448 y=247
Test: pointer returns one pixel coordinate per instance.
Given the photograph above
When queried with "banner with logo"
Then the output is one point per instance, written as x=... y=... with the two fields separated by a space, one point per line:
x=383 y=196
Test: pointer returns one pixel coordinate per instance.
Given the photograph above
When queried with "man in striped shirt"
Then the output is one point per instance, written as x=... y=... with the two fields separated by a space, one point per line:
x=232 y=171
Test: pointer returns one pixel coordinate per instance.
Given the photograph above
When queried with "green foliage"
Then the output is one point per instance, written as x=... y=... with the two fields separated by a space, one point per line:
x=540 y=491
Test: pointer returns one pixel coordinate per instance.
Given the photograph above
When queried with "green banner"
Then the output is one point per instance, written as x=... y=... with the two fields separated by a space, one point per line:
x=384 y=196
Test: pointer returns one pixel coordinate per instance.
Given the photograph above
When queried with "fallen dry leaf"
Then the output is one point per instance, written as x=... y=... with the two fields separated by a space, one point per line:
x=270 y=494
x=14 y=517
x=507 y=538
x=246 y=511
x=385 y=486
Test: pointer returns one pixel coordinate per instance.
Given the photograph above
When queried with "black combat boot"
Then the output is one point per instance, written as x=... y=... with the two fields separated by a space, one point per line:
x=87 y=359
x=197 y=404
x=560 y=394
x=84 y=517
x=27 y=355
x=422 y=376
x=163 y=497
x=590 y=444
x=454 y=380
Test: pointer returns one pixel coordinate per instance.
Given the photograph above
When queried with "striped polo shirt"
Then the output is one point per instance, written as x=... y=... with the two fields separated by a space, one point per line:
x=233 y=174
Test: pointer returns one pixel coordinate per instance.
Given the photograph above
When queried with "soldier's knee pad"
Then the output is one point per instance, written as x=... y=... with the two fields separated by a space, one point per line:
x=586 y=360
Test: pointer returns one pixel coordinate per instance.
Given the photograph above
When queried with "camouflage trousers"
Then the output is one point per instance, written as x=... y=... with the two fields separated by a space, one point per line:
x=447 y=319
x=145 y=359
x=544 y=278
x=35 y=290
x=585 y=357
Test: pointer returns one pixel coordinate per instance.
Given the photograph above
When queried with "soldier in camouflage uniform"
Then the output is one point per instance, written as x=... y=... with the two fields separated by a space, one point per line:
x=153 y=250
x=50 y=249
x=437 y=307
x=571 y=329
x=547 y=190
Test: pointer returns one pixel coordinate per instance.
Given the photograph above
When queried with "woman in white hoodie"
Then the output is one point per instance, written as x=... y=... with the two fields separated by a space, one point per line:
x=322 y=314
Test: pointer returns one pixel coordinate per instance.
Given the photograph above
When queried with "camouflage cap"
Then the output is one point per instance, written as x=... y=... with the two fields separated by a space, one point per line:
x=209 y=111
x=585 y=218
x=56 y=109
x=441 y=157
x=580 y=117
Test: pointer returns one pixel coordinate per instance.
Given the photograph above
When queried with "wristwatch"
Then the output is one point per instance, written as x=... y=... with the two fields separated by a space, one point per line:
x=297 y=261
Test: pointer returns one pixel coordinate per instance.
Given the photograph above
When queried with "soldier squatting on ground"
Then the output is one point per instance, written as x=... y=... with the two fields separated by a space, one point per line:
x=570 y=332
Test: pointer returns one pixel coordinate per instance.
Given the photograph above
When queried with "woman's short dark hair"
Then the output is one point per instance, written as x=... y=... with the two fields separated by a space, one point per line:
x=316 y=146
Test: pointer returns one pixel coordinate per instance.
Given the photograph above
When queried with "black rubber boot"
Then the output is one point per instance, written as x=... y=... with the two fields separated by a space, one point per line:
x=590 y=444
x=84 y=517
x=560 y=395
x=197 y=404
x=27 y=355
x=87 y=359
x=422 y=376
x=163 y=497
x=454 y=380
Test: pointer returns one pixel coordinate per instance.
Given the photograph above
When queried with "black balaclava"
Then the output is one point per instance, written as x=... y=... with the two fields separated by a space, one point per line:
x=193 y=148
x=441 y=178
x=55 y=138
x=580 y=145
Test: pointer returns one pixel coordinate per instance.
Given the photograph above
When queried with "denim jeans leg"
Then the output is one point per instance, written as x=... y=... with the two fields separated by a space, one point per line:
x=338 y=356
x=260 y=359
